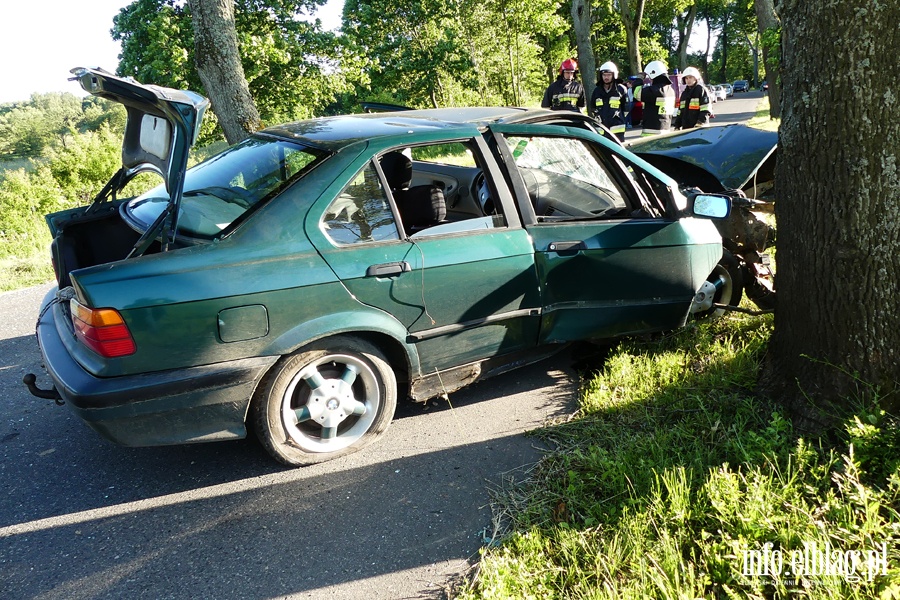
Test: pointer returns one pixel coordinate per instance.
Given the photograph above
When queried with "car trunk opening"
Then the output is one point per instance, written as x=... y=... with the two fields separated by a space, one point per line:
x=161 y=126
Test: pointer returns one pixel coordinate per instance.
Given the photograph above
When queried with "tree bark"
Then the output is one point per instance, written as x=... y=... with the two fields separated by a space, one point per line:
x=631 y=21
x=581 y=20
x=767 y=20
x=219 y=66
x=685 y=27
x=837 y=325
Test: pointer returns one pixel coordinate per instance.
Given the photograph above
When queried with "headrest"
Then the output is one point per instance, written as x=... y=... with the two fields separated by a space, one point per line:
x=397 y=169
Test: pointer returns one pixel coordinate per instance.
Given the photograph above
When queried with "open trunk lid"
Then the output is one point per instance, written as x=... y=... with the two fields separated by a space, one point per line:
x=162 y=126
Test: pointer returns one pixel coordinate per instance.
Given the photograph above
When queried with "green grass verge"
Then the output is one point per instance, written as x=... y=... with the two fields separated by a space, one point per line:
x=16 y=273
x=762 y=119
x=675 y=480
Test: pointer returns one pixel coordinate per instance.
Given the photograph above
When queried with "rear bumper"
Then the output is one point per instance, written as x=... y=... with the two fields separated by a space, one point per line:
x=195 y=404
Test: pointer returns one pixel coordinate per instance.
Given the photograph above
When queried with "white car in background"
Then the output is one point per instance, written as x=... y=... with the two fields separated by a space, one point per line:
x=729 y=89
x=721 y=93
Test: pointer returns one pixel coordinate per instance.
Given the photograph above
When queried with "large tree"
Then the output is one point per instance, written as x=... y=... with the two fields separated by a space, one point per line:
x=219 y=66
x=631 y=12
x=582 y=21
x=837 y=325
x=293 y=69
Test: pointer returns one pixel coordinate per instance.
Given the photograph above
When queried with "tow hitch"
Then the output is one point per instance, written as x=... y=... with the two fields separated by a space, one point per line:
x=51 y=394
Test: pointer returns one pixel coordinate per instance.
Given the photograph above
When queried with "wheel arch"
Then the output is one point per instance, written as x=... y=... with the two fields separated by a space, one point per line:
x=373 y=326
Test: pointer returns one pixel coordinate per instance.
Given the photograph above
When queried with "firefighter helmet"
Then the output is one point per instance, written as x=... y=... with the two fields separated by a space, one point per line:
x=611 y=67
x=568 y=65
x=656 y=68
x=691 y=72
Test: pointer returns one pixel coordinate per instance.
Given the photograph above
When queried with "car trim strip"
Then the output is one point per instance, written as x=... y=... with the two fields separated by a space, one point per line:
x=419 y=336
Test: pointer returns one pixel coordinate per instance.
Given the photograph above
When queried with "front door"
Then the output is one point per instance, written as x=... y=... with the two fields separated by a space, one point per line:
x=608 y=266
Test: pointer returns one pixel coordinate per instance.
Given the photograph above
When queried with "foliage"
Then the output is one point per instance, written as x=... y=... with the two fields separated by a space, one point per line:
x=674 y=472
x=454 y=53
x=291 y=65
x=28 y=128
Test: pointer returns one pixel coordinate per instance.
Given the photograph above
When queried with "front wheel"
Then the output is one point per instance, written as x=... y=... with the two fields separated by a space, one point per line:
x=727 y=280
x=324 y=401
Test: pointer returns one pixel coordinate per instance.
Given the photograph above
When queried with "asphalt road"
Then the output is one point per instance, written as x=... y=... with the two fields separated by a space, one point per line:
x=81 y=518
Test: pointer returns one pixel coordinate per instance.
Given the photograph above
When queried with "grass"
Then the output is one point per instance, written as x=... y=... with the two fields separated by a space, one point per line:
x=762 y=119
x=19 y=272
x=675 y=480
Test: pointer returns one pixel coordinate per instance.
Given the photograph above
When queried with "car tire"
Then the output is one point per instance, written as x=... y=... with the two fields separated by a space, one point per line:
x=327 y=400
x=728 y=272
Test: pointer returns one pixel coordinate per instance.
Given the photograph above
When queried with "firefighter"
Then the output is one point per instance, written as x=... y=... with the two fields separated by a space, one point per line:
x=609 y=102
x=658 y=99
x=693 y=106
x=566 y=93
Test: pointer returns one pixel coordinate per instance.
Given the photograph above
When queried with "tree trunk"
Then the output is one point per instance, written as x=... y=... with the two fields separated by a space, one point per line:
x=685 y=27
x=219 y=66
x=581 y=20
x=631 y=21
x=723 y=40
x=768 y=21
x=837 y=325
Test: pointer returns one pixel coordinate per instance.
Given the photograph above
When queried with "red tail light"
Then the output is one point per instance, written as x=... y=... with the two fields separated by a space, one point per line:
x=102 y=330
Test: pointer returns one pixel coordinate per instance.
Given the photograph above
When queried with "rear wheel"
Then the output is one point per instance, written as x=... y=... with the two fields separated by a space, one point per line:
x=324 y=401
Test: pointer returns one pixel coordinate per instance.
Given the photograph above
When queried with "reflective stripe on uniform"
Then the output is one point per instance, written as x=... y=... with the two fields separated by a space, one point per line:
x=617 y=128
x=614 y=103
x=695 y=104
x=570 y=98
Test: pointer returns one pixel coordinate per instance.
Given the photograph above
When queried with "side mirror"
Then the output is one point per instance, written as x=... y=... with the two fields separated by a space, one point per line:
x=710 y=206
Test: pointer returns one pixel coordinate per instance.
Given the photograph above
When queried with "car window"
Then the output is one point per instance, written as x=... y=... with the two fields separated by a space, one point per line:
x=361 y=212
x=565 y=178
x=454 y=153
x=220 y=190
x=447 y=191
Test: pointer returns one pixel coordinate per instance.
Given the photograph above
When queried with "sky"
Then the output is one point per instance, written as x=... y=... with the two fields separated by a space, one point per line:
x=42 y=40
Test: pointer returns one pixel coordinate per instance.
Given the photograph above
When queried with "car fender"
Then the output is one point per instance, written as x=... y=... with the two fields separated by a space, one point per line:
x=375 y=325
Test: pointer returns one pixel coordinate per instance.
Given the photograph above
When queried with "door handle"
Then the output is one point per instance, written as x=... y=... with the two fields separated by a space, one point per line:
x=388 y=269
x=566 y=246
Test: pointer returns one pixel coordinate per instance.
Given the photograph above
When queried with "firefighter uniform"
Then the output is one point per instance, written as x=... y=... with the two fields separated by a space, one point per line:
x=610 y=106
x=659 y=106
x=564 y=94
x=693 y=107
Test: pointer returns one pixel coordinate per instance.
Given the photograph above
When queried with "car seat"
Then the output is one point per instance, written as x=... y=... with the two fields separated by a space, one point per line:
x=420 y=206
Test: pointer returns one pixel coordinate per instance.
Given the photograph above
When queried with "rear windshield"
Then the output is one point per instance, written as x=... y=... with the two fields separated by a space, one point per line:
x=219 y=191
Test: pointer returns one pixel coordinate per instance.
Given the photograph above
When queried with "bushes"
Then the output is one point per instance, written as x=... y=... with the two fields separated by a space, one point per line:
x=69 y=176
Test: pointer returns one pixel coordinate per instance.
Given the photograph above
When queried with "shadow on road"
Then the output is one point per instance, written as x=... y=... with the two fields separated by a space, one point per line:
x=84 y=518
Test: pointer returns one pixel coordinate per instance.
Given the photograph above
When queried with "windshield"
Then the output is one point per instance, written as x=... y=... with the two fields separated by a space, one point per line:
x=220 y=190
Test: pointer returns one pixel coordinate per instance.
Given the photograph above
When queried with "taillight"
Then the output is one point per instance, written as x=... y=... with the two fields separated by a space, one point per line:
x=102 y=330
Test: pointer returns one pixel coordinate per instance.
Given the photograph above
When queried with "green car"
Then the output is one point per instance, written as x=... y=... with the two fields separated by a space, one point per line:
x=303 y=281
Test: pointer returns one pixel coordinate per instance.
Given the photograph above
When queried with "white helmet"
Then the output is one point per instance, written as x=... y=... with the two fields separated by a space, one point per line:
x=656 y=68
x=611 y=67
x=693 y=72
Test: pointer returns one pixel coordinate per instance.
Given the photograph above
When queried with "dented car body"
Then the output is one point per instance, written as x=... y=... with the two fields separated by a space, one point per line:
x=738 y=161
x=304 y=280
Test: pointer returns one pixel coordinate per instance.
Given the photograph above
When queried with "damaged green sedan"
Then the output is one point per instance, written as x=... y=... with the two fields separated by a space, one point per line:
x=303 y=281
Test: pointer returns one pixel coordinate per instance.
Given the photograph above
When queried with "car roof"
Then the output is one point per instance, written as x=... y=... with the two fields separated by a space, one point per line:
x=334 y=133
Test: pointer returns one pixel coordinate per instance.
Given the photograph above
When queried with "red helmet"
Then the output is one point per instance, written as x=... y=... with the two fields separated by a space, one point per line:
x=568 y=65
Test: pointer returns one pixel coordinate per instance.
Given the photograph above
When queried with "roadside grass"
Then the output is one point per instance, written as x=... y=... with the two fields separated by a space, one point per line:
x=762 y=119
x=31 y=269
x=676 y=480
